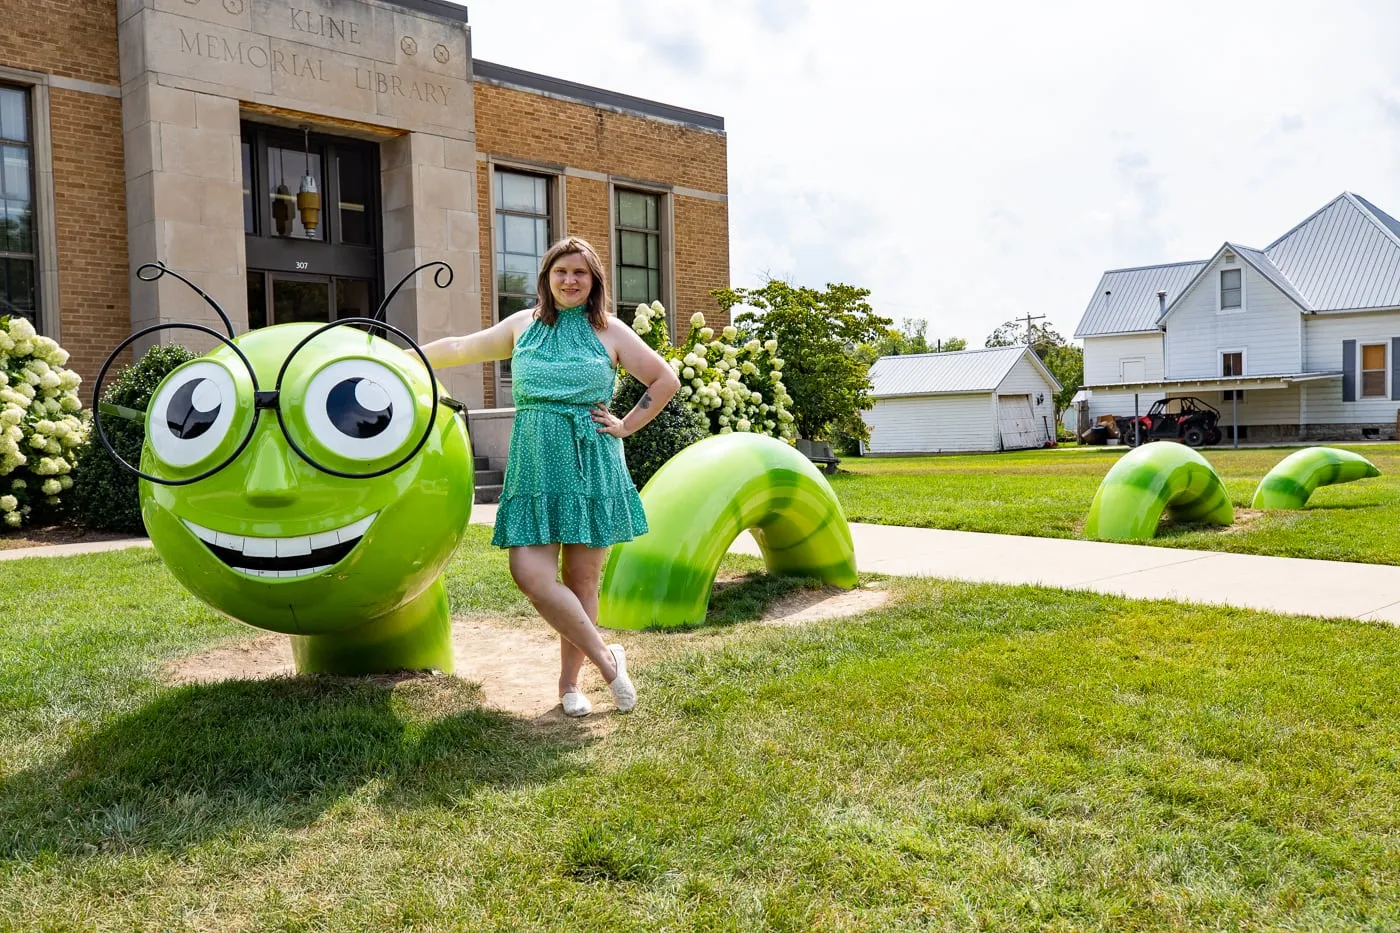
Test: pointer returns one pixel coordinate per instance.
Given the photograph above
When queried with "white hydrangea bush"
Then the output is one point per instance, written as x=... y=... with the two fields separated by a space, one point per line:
x=737 y=385
x=41 y=425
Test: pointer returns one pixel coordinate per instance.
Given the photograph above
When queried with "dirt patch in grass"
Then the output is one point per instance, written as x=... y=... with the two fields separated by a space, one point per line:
x=826 y=603
x=516 y=666
x=63 y=533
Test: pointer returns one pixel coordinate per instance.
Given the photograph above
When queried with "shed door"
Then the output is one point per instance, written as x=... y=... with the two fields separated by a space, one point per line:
x=1016 y=421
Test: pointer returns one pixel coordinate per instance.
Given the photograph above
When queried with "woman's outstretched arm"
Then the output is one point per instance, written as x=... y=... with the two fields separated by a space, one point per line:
x=493 y=343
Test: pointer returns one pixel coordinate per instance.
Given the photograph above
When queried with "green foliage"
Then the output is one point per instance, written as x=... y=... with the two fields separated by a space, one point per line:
x=105 y=494
x=909 y=337
x=675 y=428
x=1064 y=360
x=817 y=333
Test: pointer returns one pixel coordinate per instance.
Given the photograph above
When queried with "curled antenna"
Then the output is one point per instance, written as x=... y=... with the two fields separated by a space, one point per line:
x=381 y=312
x=159 y=269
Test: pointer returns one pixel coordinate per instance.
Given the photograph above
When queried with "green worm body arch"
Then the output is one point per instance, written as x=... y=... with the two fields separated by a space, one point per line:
x=698 y=503
x=1149 y=480
x=1289 y=484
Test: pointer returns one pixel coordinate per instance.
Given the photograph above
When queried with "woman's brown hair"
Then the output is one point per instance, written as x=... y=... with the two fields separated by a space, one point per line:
x=545 y=308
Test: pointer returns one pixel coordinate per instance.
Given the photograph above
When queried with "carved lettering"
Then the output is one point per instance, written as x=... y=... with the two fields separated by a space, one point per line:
x=220 y=49
x=391 y=85
x=327 y=27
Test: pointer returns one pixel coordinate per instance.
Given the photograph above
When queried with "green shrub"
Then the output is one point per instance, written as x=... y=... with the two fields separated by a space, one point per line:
x=105 y=494
x=674 y=429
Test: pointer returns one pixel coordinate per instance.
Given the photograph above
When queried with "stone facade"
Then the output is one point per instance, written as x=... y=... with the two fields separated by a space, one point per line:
x=142 y=108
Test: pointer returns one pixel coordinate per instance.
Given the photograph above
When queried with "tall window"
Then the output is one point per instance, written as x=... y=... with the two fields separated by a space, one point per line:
x=638 y=277
x=19 y=272
x=1231 y=289
x=1232 y=364
x=522 y=239
x=1373 y=371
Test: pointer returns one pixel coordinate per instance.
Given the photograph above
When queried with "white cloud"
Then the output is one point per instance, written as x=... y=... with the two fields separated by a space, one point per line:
x=972 y=162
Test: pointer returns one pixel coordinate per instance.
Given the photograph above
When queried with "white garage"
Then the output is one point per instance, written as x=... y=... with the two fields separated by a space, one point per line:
x=1001 y=398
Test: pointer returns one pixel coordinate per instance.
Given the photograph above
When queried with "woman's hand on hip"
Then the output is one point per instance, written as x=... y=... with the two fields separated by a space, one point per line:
x=608 y=423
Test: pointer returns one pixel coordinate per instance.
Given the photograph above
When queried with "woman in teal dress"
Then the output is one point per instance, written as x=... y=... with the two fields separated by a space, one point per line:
x=567 y=488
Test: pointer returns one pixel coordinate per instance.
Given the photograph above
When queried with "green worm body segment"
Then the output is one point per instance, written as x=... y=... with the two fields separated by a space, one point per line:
x=1289 y=484
x=698 y=503
x=1148 y=480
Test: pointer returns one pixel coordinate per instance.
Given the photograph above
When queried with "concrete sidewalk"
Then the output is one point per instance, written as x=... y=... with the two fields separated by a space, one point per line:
x=1278 y=584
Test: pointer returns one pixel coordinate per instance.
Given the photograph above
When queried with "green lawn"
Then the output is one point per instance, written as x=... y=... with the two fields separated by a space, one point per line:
x=1047 y=493
x=969 y=757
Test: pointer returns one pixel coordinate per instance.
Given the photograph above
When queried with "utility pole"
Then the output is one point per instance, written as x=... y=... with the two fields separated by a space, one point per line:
x=1029 y=333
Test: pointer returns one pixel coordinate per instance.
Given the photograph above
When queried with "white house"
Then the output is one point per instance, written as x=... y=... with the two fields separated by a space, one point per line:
x=927 y=403
x=1294 y=341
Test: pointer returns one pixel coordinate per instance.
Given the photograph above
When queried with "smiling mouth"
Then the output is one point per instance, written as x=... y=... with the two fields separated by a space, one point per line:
x=283 y=558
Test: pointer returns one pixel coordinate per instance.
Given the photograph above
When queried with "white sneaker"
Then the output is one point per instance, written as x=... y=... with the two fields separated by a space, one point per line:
x=624 y=694
x=575 y=704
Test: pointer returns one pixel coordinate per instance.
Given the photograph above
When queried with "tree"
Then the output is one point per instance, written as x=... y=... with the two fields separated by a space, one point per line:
x=818 y=333
x=909 y=337
x=1064 y=360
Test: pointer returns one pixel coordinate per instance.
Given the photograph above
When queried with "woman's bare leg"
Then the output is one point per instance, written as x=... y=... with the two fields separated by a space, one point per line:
x=536 y=569
x=583 y=568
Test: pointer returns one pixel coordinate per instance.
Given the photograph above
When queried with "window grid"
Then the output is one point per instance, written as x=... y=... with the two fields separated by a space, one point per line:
x=522 y=228
x=637 y=276
x=1231 y=289
x=19 y=266
x=1373 y=370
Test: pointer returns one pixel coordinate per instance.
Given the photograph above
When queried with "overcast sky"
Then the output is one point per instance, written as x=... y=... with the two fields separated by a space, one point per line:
x=973 y=162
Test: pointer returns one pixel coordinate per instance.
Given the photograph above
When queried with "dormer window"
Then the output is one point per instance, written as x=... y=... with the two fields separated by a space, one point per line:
x=1231 y=289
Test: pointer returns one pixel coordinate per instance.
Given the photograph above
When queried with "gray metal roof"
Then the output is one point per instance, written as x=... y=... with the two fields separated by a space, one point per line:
x=964 y=371
x=1345 y=256
x=1125 y=301
x=1260 y=261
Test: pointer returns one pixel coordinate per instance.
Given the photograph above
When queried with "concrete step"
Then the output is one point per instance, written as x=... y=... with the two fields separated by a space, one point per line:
x=490 y=478
x=487 y=494
x=481 y=463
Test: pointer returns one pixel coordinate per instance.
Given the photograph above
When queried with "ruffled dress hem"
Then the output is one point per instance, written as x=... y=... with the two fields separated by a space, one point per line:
x=544 y=518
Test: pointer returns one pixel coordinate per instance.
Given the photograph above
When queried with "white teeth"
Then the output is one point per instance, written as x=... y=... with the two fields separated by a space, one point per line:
x=357 y=530
x=283 y=574
x=325 y=539
x=296 y=546
x=292 y=547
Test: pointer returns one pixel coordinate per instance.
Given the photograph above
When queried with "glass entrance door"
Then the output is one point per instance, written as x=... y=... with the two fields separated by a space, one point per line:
x=314 y=265
x=285 y=297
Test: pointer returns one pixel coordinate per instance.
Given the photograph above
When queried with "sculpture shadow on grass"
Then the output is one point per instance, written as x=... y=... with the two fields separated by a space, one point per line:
x=243 y=758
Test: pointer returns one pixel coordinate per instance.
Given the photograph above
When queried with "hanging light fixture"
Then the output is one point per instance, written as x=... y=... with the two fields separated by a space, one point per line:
x=282 y=202
x=308 y=197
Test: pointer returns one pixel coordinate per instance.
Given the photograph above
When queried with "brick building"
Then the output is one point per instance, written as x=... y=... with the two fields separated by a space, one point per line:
x=183 y=131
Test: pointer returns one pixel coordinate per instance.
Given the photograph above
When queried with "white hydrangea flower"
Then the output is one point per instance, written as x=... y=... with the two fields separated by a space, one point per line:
x=44 y=427
x=658 y=308
x=11 y=414
x=22 y=329
x=65 y=481
x=12 y=519
x=70 y=379
x=26 y=390
x=701 y=365
x=70 y=403
x=686 y=392
x=749 y=368
x=51 y=487
x=770 y=345
x=726 y=430
x=730 y=332
x=698 y=320
x=8 y=503
x=642 y=327
x=7 y=342
x=19 y=484
x=22 y=347
x=743 y=424
x=778 y=364
x=688 y=372
x=707 y=334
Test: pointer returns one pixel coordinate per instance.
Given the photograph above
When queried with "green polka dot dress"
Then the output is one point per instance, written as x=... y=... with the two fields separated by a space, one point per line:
x=566 y=483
